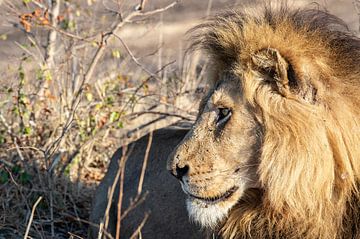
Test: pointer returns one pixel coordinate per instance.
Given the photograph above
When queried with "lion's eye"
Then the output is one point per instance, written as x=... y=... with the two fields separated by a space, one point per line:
x=223 y=115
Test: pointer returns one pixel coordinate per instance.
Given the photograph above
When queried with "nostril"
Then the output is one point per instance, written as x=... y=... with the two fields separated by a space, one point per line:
x=181 y=171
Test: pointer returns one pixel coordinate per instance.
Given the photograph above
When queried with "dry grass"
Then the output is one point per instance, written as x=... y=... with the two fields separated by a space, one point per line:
x=73 y=99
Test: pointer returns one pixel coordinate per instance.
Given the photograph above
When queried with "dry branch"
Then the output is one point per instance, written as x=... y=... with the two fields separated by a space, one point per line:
x=122 y=161
x=13 y=137
x=141 y=6
x=120 y=198
x=357 y=8
x=46 y=180
x=133 y=204
x=52 y=148
x=176 y=115
x=114 y=31
x=133 y=57
x=51 y=45
x=146 y=157
x=51 y=41
x=138 y=230
x=31 y=217
x=6 y=163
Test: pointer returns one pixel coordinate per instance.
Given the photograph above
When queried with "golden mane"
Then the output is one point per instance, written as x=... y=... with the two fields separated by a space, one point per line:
x=309 y=164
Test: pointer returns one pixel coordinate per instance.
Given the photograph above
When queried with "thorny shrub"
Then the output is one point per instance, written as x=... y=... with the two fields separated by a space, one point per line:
x=60 y=122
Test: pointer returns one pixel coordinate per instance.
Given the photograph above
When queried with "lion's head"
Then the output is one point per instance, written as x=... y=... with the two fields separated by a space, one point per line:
x=275 y=149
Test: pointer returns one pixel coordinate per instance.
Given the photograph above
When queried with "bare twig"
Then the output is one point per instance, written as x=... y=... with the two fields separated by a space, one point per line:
x=183 y=117
x=88 y=39
x=160 y=54
x=138 y=198
x=85 y=221
x=142 y=85
x=356 y=4
x=9 y=164
x=120 y=198
x=31 y=217
x=146 y=157
x=51 y=41
x=138 y=230
x=208 y=10
x=158 y=10
x=27 y=147
x=36 y=45
x=40 y=5
x=104 y=224
x=28 y=52
x=133 y=57
x=114 y=30
x=50 y=46
x=51 y=195
x=13 y=137
x=133 y=204
x=72 y=235
x=7 y=126
x=68 y=161
x=51 y=149
x=141 y=6
x=111 y=191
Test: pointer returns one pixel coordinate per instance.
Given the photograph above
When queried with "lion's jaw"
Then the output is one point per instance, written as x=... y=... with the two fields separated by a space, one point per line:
x=220 y=160
x=208 y=212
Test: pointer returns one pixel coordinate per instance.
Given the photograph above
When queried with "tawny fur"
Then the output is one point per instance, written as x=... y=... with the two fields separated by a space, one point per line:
x=310 y=113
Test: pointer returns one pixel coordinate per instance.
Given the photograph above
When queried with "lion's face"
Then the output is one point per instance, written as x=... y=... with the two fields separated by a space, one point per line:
x=240 y=131
x=217 y=160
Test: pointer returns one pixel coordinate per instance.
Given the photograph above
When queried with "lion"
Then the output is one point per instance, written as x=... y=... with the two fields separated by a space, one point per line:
x=274 y=152
x=164 y=202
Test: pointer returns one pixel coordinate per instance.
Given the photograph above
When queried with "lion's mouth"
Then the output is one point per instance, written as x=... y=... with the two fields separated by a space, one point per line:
x=216 y=199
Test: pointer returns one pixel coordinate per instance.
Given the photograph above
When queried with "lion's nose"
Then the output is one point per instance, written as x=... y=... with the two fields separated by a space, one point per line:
x=180 y=172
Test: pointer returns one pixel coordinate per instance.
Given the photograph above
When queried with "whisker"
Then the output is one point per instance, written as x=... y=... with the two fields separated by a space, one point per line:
x=238 y=168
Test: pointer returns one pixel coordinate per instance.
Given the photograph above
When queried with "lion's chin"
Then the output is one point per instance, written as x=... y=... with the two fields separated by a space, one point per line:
x=210 y=212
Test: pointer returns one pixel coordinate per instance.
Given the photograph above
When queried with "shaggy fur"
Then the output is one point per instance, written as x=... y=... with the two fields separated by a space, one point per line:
x=300 y=74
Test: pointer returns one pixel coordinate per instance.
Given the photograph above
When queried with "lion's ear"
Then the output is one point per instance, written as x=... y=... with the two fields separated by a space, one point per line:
x=275 y=70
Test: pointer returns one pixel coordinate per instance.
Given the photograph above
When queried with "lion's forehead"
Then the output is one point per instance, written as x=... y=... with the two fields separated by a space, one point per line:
x=225 y=94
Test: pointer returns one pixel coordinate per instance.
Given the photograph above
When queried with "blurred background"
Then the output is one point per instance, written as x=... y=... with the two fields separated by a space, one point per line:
x=80 y=78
